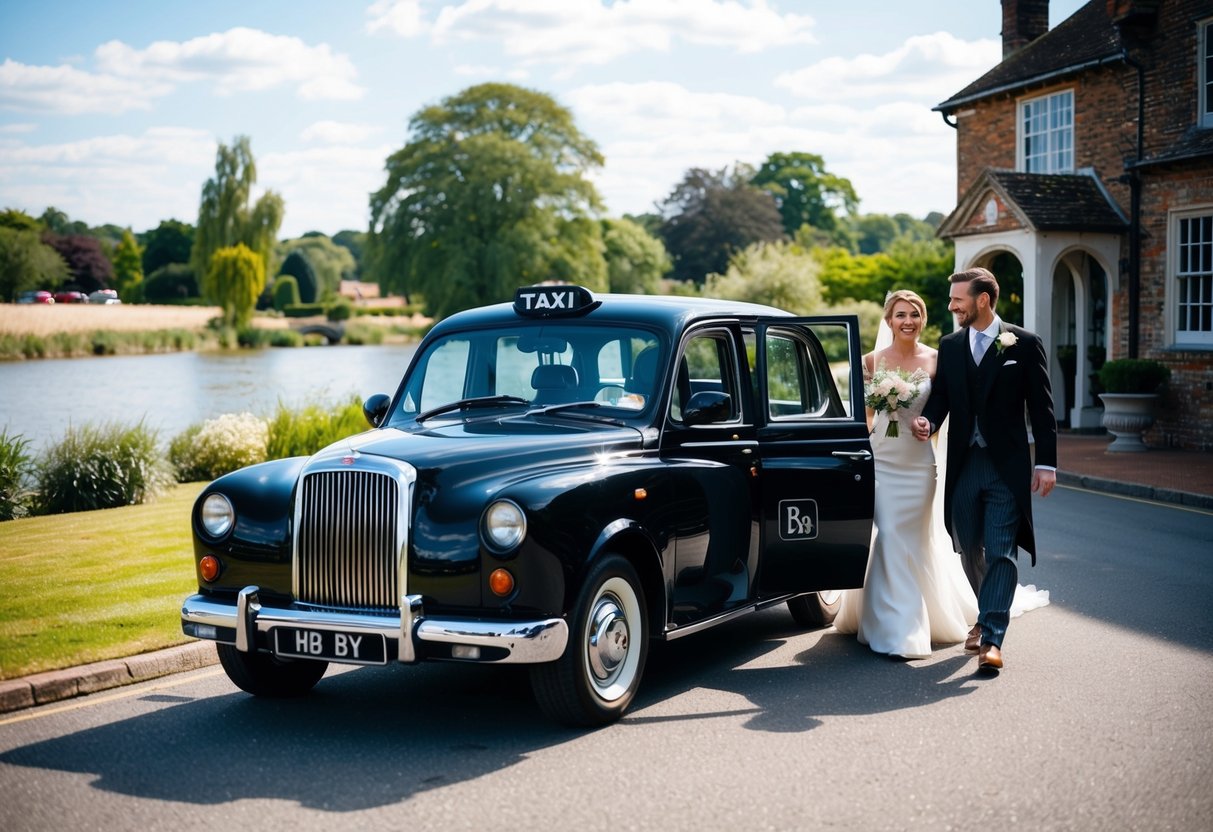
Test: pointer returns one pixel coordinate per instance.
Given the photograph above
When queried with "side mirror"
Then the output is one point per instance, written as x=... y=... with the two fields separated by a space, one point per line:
x=706 y=407
x=375 y=408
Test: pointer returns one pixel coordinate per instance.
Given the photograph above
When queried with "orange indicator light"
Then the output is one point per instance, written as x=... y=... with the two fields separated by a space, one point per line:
x=501 y=582
x=640 y=493
x=209 y=568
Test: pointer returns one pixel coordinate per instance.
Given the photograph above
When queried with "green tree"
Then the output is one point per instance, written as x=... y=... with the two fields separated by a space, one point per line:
x=169 y=242
x=355 y=242
x=286 y=292
x=170 y=282
x=128 y=268
x=636 y=261
x=778 y=274
x=27 y=263
x=18 y=220
x=228 y=216
x=712 y=215
x=298 y=266
x=235 y=280
x=330 y=262
x=805 y=192
x=483 y=199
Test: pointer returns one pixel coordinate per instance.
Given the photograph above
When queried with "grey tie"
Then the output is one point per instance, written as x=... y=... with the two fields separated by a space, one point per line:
x=979 y=349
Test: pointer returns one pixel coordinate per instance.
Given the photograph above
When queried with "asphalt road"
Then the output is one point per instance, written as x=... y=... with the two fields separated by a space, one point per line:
x=1102 y=720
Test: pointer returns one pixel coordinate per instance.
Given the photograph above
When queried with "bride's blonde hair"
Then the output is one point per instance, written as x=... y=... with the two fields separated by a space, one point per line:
x=909 y=297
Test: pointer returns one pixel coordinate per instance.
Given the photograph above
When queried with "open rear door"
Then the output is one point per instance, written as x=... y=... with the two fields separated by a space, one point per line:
x=816 y=467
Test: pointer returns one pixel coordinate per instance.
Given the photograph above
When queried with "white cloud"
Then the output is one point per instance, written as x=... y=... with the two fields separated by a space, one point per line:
x=656 y=132
x=924 y=67
x=574 y=32
x=403 y=17
x=135 y=180
x=337 y=132
x=237 y=60
x=65 y=89
x=326 y=188
x=22 y=127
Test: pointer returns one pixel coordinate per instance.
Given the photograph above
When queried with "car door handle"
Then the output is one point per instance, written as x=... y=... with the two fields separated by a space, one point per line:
x=860 y=455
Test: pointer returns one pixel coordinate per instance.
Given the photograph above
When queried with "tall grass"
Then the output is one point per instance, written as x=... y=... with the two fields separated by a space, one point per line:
x=305 y=431
x=16 y=470
x=100 y=342
x=101 y=466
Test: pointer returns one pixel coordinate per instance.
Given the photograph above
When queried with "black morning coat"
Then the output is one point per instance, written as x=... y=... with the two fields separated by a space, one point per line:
x=1007 y=381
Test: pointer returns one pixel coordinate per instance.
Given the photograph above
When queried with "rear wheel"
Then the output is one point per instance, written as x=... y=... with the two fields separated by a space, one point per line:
x=597 y=677
x=816 y=610
x=264 y=675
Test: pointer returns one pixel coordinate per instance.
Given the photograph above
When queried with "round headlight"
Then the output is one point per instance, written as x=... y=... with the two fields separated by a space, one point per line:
x=217 y=515
x=504 y=526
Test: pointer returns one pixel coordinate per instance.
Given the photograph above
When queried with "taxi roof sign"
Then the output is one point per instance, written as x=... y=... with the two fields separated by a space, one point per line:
x=553 y=301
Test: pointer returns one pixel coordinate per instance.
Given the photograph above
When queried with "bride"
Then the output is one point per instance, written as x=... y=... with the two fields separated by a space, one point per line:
x=915 y=592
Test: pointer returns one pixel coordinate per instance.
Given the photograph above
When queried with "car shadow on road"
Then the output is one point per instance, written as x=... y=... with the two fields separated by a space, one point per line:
x=377 y=736
x=834 y=676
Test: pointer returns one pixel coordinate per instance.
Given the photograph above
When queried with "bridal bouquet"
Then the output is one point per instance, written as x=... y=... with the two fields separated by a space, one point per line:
x=890 y=390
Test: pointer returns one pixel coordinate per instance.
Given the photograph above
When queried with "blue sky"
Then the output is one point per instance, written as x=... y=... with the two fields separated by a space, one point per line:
x=112 y=111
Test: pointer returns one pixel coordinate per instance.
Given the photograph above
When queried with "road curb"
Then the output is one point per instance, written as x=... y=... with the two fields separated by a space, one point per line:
x=57 y=685
x=1141 y=492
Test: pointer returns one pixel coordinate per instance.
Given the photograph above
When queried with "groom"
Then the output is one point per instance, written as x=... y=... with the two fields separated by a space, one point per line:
x=988 y=372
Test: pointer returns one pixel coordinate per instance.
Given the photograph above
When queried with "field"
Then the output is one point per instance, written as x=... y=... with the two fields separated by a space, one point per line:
x=47 y=319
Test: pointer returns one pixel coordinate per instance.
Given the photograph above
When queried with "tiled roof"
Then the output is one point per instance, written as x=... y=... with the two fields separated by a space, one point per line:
x=1195 y=143
x=1041 y=202
x=1086 y=38
x=1061 y=202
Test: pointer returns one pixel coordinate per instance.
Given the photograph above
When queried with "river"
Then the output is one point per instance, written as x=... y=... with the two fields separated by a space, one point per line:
x=40 y=399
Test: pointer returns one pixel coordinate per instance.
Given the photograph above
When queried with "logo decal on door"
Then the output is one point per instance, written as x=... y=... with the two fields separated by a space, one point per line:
x=797 y=519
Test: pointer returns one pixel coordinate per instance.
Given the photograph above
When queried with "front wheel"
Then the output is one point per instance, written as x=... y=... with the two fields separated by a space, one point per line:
x=595 y=680
x=816 y=610
x=264 y=675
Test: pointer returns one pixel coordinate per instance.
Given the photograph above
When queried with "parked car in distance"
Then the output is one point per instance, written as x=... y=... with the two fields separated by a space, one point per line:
x=71 y=297
x=556 y=482
x=104 y=296
x=38 y=296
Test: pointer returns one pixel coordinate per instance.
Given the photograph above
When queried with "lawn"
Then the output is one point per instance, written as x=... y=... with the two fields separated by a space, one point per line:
x=94 y=585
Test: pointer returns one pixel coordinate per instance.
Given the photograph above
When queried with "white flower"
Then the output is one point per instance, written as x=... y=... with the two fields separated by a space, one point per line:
x=1006 y=339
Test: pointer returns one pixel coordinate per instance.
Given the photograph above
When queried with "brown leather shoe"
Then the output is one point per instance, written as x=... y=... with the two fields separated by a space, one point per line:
x=973 y=641
x=989 y=658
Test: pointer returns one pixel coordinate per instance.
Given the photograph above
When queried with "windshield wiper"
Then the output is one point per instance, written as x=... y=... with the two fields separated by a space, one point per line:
x=465 y=404
x=566 y=406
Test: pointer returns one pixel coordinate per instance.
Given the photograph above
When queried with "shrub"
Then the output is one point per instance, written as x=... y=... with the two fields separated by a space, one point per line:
x=1133 y=375
x=305 y=431
x=286 y=292
x=217 y=446
x=174 y=282
x=101 y=467
x=339 y=310
x=285 y=338
x=360 y=333
x=251 y=337
x=303 y=310
x=16 y=469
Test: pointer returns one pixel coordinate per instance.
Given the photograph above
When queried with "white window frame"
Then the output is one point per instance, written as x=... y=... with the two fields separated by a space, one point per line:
x=1054 y=125
x=1204 y=73
x=1182 y=267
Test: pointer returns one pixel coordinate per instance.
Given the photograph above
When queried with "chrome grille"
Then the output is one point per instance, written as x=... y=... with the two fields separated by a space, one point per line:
x=347 y=540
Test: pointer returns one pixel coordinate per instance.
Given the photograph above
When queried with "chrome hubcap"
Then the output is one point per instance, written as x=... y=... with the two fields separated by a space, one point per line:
x=607 y=645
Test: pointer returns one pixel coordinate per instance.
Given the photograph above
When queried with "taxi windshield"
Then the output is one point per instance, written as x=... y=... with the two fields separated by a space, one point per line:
x=542 y=363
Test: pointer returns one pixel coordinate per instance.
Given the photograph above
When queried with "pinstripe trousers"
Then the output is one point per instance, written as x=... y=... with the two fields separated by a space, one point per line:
x=985 y=521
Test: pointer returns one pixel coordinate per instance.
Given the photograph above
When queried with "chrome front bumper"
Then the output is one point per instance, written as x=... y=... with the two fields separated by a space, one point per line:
x=524 y=642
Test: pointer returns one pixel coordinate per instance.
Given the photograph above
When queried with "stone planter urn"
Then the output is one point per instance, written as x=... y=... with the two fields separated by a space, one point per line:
x=1127 y=416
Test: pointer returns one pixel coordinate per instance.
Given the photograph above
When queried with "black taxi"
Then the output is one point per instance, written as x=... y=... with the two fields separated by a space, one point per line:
x=557 y=481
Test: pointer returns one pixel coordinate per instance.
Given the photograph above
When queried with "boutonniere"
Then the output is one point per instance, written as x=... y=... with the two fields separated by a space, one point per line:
x=1004 y=340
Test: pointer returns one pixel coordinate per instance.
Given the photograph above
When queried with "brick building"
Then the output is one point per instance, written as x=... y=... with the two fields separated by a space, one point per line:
x=1085 y=169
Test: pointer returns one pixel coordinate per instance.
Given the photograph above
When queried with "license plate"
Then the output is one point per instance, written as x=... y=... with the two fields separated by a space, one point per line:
x=330 y=645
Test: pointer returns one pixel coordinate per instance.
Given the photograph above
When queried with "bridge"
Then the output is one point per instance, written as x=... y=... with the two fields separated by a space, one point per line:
x=333 y=331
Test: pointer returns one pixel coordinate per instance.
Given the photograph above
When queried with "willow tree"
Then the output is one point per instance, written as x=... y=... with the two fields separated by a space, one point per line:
x=228 y=216
x=235 y=280
x=489 y=194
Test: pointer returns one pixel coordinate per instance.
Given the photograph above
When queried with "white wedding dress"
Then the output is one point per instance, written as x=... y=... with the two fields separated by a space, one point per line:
x=915 y=592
